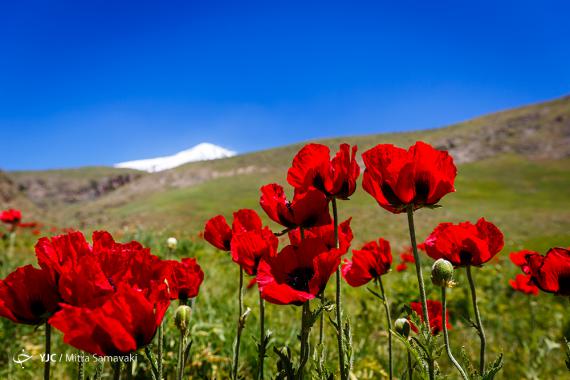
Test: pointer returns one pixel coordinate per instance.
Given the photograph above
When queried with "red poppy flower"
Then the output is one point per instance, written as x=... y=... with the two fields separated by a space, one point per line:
x=249 y=247
x=465 y=243
x=298 y=273
x=125 y=322
x=127 y=262
x=28 y=296
x=419 y=176
x=28 y=225
x=401 y=267
x=372 y=261
x=306 y=210
x=326 y=235
x=551 y=273
x=435 y=316
x=184 y=279
x=87 y=276
x=61 y=253
x=11 y=216
x=523 y=284
x=519 y=258
x=407 y=257
x=218 y=233
x=313 y=168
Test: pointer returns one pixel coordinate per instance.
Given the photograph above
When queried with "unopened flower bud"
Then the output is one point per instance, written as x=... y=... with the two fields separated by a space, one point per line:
x=402 y=327
x=171 y=243
x=442 y=273
x=182 y=317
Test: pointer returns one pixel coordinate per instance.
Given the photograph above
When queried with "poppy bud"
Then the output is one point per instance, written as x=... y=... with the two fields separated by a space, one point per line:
x=402 y=327
x=171 y=243
x=182 y=318
x=442 y=273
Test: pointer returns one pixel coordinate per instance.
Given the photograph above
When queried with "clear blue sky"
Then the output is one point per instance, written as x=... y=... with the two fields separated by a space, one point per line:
x=98 y=82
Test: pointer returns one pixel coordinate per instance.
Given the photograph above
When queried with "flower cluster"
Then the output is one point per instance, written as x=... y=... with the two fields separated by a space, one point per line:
x=107 y=298
x=301 y=269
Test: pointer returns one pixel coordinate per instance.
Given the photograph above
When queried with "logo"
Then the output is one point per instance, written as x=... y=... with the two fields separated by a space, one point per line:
x=21 y=358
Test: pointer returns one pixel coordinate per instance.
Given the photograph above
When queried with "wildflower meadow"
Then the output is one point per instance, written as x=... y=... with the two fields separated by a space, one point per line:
x=288 y=290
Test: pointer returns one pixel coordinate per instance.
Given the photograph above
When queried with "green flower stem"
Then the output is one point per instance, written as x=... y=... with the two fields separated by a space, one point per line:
x=80 y=367
x=261 y=356
x=322 y=320
x=240 y=326
x=11 y=242
x=129 y=369
x=423 y=298
x=338 y=300
x=446 y=335
x=117 y=371
x=305 y=330
x=389 y=325
x=160 y=348
x=410 y=368
x=99 y=369
x=419 y=274
x=477 y=320
x=181 y=345
x=47 y=363
x=150 y=358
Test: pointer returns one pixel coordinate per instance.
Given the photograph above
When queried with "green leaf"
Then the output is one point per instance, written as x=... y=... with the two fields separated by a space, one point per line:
x=493 y=369
x=376 y=294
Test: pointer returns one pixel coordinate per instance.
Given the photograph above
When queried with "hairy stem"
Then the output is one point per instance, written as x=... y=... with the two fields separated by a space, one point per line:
x=322 y=319
x=240 y=326
x=338 y=300
x=181 y=345
x=446 y=335
x=480 y=329
x=47 y=363
x=420 y=276
x=80 y=367
x=99 y=369
x=160 y=348
x=410 y=368
x=150 y=358
x=389 y=326
x=261 y=356
x=305 y=330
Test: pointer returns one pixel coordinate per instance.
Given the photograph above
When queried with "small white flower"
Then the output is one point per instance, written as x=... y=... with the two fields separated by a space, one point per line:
x=171 y=242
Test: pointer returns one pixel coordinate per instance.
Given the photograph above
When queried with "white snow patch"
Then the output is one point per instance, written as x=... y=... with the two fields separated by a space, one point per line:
x=200 y=152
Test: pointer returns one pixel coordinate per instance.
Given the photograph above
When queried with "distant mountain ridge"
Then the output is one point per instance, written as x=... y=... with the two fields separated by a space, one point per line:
x=200 y=152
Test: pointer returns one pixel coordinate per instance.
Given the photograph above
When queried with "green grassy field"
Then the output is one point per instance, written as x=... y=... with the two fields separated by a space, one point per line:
x=527 y=199
x=527 y=195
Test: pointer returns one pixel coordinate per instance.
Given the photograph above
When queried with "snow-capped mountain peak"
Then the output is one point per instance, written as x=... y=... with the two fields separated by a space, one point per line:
x=200 y=152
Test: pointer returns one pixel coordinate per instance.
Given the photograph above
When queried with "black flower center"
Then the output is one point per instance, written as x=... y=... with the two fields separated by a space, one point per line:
x=37 y=308
x=390 y=196
x=564 y=284
x=465 y=257
x=422 y=191
x=299 y=278
x=319 y=183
